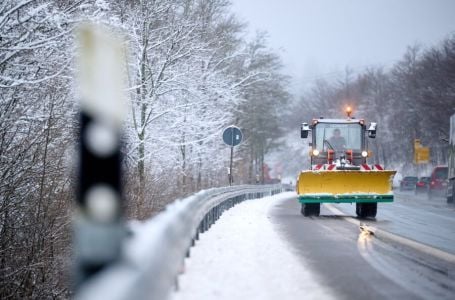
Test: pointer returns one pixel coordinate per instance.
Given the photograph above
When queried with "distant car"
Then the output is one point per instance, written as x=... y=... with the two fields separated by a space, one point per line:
x=408 y=183
x=438 y=183
x=423 y=185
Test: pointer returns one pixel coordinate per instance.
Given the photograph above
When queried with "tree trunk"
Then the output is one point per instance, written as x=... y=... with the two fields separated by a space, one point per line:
x=141 y=169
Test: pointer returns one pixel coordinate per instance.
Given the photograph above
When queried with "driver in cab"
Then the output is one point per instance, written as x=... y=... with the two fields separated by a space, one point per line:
x=337 y=141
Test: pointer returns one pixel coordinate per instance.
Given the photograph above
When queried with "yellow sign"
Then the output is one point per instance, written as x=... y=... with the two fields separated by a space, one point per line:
x=422 y=155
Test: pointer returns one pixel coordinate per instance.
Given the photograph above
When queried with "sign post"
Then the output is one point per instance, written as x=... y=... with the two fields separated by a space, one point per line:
x=232 y=136
x=98 y=225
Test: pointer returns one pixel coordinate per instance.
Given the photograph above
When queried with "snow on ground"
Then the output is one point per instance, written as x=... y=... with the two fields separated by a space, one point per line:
x=242 y=257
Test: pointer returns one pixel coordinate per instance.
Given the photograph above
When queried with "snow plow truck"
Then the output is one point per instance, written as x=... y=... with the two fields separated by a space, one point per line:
x=339 y=170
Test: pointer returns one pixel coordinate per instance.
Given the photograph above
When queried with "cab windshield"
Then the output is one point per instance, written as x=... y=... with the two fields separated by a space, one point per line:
x=338 y=137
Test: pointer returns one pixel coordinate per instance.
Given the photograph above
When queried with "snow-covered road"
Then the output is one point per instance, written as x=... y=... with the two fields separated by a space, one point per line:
x=243 y=257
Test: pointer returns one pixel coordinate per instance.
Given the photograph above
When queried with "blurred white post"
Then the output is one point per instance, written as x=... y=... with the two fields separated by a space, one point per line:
x=99 y=229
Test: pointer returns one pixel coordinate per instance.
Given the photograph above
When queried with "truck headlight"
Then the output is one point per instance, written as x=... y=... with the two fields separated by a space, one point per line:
x=364 y=153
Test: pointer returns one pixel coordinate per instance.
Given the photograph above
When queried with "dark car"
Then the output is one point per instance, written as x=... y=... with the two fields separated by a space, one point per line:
x=438 y=183
x=408 y=183
x=423 y=185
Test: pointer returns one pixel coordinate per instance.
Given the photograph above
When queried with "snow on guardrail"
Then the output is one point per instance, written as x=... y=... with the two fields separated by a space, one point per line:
x=153 y=256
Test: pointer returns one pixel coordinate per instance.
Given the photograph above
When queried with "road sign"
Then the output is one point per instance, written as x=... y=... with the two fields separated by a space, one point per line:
x=422 y=155
x=232 y=136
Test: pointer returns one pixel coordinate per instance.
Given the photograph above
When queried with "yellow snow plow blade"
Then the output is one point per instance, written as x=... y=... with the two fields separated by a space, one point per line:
x=345 y=186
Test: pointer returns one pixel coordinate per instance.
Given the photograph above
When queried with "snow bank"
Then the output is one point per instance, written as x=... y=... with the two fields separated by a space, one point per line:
x=243 y=257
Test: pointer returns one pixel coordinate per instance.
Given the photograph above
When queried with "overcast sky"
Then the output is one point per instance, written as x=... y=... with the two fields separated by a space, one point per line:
x=317 y=37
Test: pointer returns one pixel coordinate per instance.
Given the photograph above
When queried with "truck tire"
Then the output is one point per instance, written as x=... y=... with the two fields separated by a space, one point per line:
x=366 y=210
x=451 y=192
x=311 y=209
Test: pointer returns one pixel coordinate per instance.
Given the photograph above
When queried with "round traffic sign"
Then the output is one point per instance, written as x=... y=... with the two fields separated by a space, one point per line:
x=232 y=136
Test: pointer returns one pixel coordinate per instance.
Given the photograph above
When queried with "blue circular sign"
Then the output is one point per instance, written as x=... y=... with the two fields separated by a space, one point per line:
x=232 y=136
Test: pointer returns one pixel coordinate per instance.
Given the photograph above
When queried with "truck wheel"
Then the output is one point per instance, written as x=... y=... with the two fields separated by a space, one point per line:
x=373 y=209
x=451 y=195
x=366 y=210
x=317 y=209
x=359 y=210
x=311 y=209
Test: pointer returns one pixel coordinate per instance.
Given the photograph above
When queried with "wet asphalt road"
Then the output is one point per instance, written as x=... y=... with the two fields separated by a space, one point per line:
x=361 y=266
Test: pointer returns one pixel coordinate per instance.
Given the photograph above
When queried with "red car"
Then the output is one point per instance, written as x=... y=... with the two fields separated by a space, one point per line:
x=438 y=182
x=423 y=185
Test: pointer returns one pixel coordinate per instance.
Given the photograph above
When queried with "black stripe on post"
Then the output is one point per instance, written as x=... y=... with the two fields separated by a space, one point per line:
x=96 y=168
x=99 y=230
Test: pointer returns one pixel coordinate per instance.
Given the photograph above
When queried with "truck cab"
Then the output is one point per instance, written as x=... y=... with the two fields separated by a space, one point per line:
x=338 y=140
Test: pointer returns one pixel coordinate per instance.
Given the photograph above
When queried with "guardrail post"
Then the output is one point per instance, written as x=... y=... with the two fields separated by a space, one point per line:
x=204 y=223
x=198 y=230
x=99 y=230
x=210 y=219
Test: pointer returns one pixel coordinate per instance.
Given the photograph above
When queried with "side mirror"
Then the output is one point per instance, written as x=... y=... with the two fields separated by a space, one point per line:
x=304 y=130
x=372 y=130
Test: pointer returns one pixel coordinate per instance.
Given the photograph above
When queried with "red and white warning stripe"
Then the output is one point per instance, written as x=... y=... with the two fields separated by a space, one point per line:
x=332 y=167
x=329 y=167
x=375 y=167
x=317 y=167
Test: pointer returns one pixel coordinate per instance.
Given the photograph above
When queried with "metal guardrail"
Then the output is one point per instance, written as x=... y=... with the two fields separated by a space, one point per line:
x=153 y=257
